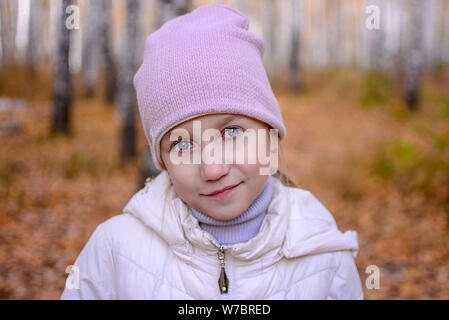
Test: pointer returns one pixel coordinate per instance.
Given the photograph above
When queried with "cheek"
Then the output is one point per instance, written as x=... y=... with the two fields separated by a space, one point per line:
x=254 y=185
x=250 y=171
x=183 y=179
x=256 y=153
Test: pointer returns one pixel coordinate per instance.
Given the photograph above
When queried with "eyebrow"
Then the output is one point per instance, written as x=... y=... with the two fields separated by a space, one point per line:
x=228 y=119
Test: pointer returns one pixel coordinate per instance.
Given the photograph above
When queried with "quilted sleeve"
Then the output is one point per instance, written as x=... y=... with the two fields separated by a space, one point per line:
x=346 y=284
x=90 y=278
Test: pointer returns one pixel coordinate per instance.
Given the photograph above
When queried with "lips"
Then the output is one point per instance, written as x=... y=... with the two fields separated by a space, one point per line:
x=222 y=190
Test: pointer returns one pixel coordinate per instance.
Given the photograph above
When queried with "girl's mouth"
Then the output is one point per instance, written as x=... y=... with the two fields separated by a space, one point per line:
x=224 y=192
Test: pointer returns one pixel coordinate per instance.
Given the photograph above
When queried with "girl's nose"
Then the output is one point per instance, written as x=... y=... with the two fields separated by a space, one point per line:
x=214 y=171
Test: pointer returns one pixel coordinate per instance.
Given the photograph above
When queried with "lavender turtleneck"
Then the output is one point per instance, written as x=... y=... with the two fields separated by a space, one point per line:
x=241 y=228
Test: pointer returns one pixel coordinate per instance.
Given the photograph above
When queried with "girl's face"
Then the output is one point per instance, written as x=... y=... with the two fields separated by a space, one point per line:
x=196 y=183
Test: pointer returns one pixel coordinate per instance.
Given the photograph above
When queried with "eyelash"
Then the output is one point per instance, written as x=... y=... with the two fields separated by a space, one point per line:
x=230 y=127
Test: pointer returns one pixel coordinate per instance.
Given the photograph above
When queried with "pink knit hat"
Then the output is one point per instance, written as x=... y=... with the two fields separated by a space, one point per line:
x=203 y=62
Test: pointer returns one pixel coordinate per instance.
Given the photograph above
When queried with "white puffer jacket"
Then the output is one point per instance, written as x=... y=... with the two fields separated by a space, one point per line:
x=156 y=250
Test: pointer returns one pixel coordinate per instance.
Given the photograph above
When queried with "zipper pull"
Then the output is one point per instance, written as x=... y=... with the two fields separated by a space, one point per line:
x=223 y=282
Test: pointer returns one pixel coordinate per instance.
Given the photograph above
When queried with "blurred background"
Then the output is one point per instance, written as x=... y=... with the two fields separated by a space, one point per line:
x=362 y=85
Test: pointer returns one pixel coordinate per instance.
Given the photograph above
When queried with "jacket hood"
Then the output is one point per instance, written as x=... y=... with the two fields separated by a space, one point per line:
x=296 y=224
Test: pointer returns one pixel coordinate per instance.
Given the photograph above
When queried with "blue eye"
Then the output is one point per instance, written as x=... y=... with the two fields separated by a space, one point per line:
x=184 y=145
x=233 y=131
x=181 y=145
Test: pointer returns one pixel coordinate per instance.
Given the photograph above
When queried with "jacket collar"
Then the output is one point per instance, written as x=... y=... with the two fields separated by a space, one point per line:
x=296 y=223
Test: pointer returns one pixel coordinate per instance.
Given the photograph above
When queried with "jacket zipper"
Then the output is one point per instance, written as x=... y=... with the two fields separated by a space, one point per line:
x=223 y=281
x=225 y=284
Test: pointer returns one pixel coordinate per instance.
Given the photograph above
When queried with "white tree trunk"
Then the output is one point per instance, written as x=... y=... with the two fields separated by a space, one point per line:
x=91 y=47
x=269 y=23
x=334 y=38
x=8 y=20
x=373 y=33
x=392 y=34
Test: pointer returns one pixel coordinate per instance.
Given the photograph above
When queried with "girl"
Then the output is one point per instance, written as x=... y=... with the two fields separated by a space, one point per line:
x=219 y=229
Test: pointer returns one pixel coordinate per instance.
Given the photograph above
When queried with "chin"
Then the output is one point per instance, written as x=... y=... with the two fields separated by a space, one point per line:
x=229 y=215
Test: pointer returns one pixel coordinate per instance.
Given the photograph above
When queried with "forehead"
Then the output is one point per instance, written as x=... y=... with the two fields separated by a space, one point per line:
x=210 y=120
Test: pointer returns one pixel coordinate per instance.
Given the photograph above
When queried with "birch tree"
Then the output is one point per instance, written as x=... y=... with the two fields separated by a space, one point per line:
x=8 y=23
x=333 y=30
x=414 y=53
x=269 y=23
x=374 y=33
x=106 y=52
x=295 y=79
x=91 y=41
x=62 y=84
x=33 y=52
x=127 y=99
x=169 y=9
x=393 y=34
